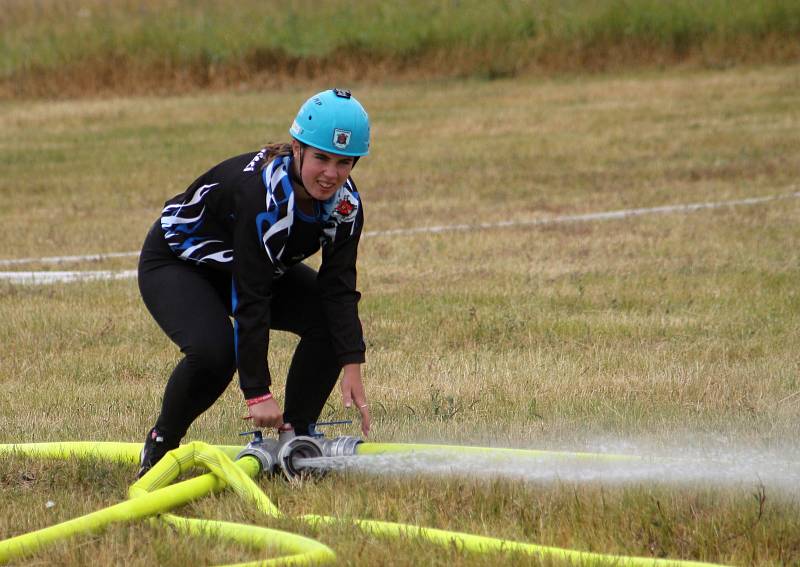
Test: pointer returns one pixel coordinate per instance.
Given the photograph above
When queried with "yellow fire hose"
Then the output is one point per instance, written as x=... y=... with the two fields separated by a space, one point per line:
x=154 y=494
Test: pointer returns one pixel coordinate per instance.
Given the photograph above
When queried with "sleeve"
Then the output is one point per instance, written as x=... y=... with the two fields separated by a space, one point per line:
x=252 y=293
x=337 y=283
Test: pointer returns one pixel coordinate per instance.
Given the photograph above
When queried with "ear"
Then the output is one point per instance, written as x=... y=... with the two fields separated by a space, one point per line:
x=296 y=149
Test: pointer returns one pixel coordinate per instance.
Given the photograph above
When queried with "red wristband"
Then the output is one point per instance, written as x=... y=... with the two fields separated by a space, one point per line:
x=258 y=400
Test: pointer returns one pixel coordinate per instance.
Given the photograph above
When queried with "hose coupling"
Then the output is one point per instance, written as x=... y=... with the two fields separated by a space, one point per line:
x=342 y=446
x=265 y=459
x=262 y=449
x=292 y=451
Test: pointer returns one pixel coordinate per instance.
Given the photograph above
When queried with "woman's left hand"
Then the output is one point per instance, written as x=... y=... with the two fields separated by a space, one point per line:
x=353 y=393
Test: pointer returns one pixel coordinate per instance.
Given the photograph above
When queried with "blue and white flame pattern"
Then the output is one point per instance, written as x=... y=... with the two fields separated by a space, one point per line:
x=275 y=223
x=182 y=222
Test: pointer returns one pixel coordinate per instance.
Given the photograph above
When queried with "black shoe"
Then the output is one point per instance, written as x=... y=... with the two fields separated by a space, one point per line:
x=155 y=447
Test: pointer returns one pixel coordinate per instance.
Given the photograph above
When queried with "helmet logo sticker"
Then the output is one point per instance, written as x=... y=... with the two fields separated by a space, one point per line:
x=296 y=129
x=341 y=138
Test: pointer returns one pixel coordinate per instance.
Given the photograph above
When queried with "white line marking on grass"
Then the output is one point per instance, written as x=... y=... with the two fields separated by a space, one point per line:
x=42 y=277
x=35 y=278
x=67 y=259
x=609 y=215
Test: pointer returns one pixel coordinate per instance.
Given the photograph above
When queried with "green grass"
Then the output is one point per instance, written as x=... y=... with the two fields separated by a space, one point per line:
x=673 y=329
x=59 y=47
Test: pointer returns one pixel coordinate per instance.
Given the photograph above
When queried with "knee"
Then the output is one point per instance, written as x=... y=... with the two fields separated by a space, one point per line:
x=317 y=330
x=216 y=358
x=313 y=324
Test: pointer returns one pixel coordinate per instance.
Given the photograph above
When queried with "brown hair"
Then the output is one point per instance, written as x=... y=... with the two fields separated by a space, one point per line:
x=274 y=150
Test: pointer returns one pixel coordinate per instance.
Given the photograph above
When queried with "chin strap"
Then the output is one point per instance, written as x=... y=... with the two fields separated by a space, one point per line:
x=293 y=176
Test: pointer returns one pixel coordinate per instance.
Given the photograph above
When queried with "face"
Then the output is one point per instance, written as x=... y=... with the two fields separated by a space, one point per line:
x=323 y=173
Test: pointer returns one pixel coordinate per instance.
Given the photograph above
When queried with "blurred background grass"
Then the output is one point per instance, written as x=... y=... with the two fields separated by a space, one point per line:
x=657 y=331
x=78 y=47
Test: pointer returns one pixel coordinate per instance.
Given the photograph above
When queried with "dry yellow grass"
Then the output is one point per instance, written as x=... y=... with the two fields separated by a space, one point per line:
x=670 y=329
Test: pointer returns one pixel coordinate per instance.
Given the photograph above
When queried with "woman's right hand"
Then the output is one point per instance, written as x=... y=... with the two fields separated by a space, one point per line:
x=266 y=414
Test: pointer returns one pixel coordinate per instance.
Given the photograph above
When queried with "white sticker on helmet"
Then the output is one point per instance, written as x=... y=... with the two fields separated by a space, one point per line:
x=296 y=129
x=341 y=138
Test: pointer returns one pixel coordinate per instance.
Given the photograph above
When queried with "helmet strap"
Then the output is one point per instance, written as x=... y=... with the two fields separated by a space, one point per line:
x=295 y=176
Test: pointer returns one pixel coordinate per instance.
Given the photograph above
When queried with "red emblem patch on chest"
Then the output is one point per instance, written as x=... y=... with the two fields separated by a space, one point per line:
x=345 y=207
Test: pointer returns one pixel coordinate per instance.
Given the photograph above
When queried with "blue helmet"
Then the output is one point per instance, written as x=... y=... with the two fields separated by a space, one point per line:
x=333 y=121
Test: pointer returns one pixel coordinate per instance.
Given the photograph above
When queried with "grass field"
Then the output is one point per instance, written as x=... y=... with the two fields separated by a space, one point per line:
x=662 y=331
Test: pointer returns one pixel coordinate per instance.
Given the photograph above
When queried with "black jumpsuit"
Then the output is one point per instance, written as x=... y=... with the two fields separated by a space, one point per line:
x=230 y=246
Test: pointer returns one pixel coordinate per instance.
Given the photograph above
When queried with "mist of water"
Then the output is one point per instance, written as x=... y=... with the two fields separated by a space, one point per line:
x=777 y=469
